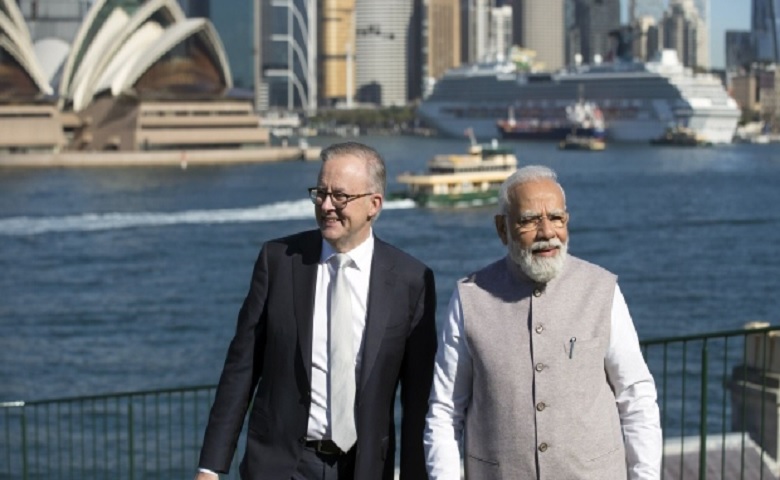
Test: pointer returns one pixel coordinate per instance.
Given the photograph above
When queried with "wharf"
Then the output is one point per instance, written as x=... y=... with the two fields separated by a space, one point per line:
x=178 y=158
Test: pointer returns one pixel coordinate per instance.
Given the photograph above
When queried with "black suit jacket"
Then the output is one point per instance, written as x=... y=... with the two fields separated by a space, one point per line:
x=270 y=355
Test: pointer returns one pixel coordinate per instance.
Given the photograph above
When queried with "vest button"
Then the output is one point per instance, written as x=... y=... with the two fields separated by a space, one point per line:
x=537 y=292
x=539 y=328
x=541 y=406
x=542 y=447
x=539 y=367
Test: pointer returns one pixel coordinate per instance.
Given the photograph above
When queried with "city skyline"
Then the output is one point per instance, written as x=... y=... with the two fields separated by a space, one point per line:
x=726 y=15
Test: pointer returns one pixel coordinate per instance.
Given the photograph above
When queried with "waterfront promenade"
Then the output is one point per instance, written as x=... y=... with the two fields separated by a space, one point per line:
x=180 y=158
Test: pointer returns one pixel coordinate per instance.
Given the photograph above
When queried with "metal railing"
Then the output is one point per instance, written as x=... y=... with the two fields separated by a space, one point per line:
x=716 y=390
x=146 y=435
x=717 y=400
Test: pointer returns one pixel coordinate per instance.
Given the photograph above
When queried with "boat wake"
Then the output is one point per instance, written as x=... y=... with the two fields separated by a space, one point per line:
x=88 y=222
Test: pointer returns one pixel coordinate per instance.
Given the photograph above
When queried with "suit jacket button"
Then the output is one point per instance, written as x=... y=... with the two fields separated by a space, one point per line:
x=542 y=447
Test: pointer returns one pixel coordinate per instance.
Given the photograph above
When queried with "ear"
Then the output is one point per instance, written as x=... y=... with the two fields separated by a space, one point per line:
x=376 y=202
x=501 y=228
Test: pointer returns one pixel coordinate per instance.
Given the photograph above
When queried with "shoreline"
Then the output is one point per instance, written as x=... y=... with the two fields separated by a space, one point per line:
x=178 y=158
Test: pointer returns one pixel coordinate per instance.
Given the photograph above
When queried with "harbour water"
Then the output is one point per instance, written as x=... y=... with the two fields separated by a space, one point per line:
x=122 y=279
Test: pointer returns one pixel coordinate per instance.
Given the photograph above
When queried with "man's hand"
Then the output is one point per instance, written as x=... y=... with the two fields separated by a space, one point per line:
x=206 y=476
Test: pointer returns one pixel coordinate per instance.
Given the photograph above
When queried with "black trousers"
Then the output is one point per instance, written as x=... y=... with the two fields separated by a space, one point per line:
x=318 y=466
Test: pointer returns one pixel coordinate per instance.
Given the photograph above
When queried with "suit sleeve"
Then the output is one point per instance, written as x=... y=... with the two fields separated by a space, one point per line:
x=240 y=374
x=416 y=379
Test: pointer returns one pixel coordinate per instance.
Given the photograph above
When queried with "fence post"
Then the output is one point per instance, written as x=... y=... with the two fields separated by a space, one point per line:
x=24 y=443
x=703 y=415
x=130 y=442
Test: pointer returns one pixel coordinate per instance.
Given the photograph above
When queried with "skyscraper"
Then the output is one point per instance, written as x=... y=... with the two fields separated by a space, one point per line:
x=288 y=38
x=539 y=25
x=764 y=24
x=336 y=66
x=500 y=30
x=386 y=47
x=442 y=37
x=593 y=20
x=679 y=29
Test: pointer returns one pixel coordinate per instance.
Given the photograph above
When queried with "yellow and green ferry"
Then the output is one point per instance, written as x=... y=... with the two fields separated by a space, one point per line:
x=462 y=180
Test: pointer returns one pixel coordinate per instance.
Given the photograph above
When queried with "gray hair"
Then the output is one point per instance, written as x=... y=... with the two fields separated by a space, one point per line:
x=377 y=176
x=529 y=173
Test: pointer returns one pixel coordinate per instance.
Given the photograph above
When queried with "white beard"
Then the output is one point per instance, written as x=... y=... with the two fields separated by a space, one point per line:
x=539 y=269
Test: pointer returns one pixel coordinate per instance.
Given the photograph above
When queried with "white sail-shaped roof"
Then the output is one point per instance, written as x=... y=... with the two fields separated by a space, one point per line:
x=98 y=49
x=172 y=37
x=17 y=42
x=10 y=10
x=124 y=59
x=116 y=53
x=120 y=30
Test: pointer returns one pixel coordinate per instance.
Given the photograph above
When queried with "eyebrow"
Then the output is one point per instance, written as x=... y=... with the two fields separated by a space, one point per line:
x=532 y=214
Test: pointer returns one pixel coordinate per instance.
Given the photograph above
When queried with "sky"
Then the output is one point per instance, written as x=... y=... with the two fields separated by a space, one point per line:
x=726 y=15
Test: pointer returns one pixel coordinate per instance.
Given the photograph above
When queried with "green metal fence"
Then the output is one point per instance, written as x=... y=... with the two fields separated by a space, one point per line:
x=717 y=401
x=716 y=390
x=144 y=435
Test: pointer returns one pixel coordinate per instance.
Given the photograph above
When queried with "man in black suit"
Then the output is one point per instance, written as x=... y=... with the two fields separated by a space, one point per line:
x=279 y=361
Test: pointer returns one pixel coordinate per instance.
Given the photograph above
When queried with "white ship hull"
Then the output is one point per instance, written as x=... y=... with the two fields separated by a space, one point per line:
x=639 y=101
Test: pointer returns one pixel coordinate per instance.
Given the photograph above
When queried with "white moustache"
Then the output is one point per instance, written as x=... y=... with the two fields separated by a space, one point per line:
x=547 y=244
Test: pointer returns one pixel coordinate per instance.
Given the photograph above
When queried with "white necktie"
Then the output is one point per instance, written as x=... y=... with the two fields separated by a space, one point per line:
x=342 y=358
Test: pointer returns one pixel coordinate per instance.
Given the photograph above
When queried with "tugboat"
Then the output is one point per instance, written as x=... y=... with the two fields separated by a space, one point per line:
x=587 y=131
x=579 y=142
x=682 y=136
x=462 y=180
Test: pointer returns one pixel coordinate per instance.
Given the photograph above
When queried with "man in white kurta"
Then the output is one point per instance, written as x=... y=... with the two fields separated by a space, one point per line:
x=539 y=372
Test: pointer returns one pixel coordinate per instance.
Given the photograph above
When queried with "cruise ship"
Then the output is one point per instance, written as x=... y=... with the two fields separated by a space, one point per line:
x=639 y=100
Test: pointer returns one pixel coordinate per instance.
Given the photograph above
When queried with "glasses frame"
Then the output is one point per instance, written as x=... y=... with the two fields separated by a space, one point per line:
x=315 y=192
x=534 y=222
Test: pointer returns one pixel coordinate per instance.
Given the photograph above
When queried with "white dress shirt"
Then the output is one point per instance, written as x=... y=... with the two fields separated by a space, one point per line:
x=358 y=275
x=626 y=370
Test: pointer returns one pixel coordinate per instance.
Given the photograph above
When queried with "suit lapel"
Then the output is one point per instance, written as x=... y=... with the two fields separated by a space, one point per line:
x=379 y=308
x=304 y=268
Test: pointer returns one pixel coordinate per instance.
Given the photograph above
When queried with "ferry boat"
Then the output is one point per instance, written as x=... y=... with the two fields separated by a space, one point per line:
x=638 y=99
x=462 y=180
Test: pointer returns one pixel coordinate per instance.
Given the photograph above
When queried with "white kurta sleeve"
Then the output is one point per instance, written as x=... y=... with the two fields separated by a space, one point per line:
x=450 y=395
x=635 y=393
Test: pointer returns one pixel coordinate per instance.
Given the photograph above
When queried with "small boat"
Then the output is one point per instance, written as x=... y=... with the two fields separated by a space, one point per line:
x=462 y=180
x=681 y=136
x=579 y=142
x=584 y=117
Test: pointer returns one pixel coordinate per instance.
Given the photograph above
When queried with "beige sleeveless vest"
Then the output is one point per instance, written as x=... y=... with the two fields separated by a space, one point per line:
x=540 y=408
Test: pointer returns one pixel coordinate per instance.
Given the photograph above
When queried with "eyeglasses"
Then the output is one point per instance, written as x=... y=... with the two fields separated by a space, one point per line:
x=338 y=199
x=530 y=223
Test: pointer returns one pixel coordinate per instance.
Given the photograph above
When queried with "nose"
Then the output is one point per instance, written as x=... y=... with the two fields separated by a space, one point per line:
x=546 y=230
x=327 y=203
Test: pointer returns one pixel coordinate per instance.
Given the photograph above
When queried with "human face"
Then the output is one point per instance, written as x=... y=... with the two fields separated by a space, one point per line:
x=539 y=251
x=347 y=227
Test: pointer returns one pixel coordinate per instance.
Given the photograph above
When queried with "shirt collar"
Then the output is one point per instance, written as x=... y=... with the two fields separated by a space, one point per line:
x=360 y=255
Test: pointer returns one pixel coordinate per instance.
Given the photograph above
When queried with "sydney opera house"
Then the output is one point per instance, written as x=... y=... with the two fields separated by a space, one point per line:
x=139 y=75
